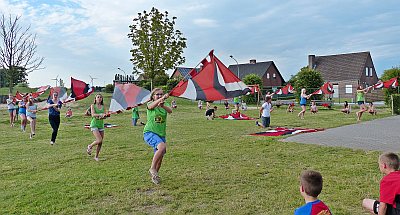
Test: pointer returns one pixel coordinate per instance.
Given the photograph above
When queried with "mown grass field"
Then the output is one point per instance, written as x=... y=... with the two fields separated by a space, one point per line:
x=211 y=167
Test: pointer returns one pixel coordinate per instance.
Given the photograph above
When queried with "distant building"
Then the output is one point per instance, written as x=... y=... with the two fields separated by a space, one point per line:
x=346 y=72
x=182 y=72
x=267 y=71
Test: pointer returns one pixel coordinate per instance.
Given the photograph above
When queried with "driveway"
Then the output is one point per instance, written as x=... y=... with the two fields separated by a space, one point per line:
x=380 y=135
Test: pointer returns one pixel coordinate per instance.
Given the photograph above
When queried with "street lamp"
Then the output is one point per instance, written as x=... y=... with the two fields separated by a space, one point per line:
x=122 y=71
x=237 y=64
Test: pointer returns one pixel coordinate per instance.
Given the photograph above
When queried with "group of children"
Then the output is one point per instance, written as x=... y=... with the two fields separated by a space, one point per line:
x=27 y=110
x=389 y=190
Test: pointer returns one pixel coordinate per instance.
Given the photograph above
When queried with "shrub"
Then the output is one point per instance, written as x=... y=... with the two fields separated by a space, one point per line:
x=396 y=103
x=109 y=88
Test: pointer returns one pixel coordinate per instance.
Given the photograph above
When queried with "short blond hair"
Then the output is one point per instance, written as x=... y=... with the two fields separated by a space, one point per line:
x=391 y=160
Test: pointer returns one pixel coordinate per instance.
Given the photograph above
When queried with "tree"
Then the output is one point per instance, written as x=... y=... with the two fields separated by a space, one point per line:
x=157 y=46
x=17 y=50
x=388 y=74
x=309 y=79
x=171 y=83
x=252 y=79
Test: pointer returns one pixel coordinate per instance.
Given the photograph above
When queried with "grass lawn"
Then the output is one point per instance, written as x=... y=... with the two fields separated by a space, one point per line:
x=211 y=167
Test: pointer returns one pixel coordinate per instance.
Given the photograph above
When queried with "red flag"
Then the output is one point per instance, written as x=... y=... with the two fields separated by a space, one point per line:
x=79 y=90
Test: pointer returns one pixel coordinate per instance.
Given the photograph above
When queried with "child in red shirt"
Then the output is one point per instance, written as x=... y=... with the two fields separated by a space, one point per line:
x=389 y=190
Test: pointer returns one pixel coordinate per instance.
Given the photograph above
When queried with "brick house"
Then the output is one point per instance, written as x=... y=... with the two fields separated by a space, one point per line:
x=181 y=72
x=346 y=72
x=268 y=72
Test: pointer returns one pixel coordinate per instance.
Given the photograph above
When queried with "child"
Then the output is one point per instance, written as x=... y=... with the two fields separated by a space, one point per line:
x=290 y=108
x=135 y=115
x=210 y=113
x=303 y=102
x=371 y=109
x=313 y=107
x=226 y=104
x=173 y=104
x=97 y=125
x=22 y=112
x=155 y=130
x=68 y=114
x=346 y=108
x=310 y=188
x=200 y=104
x=11 y=109
x=360 y=101
x=31 y=110
x=389 y=192
x=265 y=113
x=54 y=106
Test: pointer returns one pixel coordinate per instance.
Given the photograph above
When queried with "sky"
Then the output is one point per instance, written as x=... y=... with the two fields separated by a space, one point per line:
x=88 y=38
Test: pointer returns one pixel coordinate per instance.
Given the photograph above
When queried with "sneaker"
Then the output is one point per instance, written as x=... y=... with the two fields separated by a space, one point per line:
x=155 y=179
x=96 y=159
x=51 y=143
x=257 y=123
x=89 y=150
x=153 y=172
x=30 y=136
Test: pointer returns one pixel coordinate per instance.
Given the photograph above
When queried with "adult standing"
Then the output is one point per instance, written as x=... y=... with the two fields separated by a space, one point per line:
x=54 y=105
x=303 y=102
x=11 y=109
x=361 y=101
x=155 y=130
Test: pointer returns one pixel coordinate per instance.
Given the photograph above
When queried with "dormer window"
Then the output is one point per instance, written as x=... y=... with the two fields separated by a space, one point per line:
x=267 y=75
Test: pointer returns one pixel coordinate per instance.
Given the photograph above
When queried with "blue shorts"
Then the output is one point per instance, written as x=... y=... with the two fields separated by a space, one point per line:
x=360 y=102
x=11 y=110
x=152 y=139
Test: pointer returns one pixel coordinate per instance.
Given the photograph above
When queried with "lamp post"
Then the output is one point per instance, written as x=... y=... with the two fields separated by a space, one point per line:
x=122 y=71
x=237 y=64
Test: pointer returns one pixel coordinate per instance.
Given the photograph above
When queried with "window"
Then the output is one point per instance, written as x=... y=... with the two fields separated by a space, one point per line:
x=366 y=71
x=274 y=75
x=335 y=91
x=267 y=75
x=370 y=72
x=349 y=88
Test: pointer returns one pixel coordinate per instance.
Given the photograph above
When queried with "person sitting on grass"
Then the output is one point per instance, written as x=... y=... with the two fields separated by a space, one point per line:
x=310 y=188
x=371 y=109
x=68 y=114
x=346 y=108
x=265 y=113
x=313 y=107
x=389 y=191
x=210 y=113
x=290 y=108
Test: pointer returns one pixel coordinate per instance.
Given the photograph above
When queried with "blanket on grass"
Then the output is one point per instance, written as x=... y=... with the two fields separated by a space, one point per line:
x=236 y=116
x=280 y=131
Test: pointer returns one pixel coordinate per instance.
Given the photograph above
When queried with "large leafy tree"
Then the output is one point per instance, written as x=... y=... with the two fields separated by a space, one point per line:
x=252 y=79
x=157 y=46
x=309 y=79
x=388 y=74
x=17 y=50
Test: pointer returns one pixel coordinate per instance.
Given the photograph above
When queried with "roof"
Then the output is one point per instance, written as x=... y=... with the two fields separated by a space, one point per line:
x=184 y=71
x=342 y=66
x=258 y=68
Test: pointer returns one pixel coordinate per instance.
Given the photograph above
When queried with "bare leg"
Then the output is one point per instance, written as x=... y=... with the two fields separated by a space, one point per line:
x=158 y=156
x=99 y=140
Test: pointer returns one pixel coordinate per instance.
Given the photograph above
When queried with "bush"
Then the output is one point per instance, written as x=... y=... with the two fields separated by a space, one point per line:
x=396 y=104
x=388 y=74
x=109 y=88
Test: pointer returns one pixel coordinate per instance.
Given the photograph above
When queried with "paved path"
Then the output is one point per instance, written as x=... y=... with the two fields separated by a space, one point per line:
x=380 y=135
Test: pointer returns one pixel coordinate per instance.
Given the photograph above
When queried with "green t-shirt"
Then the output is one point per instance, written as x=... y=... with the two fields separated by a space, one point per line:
x=236 y=100
x=156 y=121
x=97 y=123
x=135 y=113
x=360 y=96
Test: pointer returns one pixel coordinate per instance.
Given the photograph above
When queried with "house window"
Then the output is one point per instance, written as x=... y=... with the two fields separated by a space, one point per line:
x=349 y=88
x=267 y=75
x=366 y=71
x=335 y=91
x=370 y=72
x=274 y=75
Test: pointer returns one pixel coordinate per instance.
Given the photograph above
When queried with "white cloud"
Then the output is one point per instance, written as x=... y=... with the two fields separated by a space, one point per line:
x=206 y=23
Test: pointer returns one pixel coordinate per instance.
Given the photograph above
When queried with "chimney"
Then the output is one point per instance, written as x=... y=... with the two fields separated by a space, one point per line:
x=311 y=61
x=253 y=61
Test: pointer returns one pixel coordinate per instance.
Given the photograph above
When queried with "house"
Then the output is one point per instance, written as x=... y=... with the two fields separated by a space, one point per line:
x=182 y=72
x=346 y=72
x=268 y=72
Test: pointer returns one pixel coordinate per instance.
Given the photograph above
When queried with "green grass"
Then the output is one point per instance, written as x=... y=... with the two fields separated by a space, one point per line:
x=211 y=167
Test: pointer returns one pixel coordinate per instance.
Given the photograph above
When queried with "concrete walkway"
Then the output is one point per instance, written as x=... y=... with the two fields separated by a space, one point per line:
x=380 y=135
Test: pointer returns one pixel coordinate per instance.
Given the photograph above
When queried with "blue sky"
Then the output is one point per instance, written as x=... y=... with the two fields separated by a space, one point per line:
x=79 y=38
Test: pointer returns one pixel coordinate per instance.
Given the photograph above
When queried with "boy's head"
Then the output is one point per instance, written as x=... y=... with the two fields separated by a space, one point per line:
x=215 y=107
x=388 y=162
x=268 y=99
x=311 y=183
